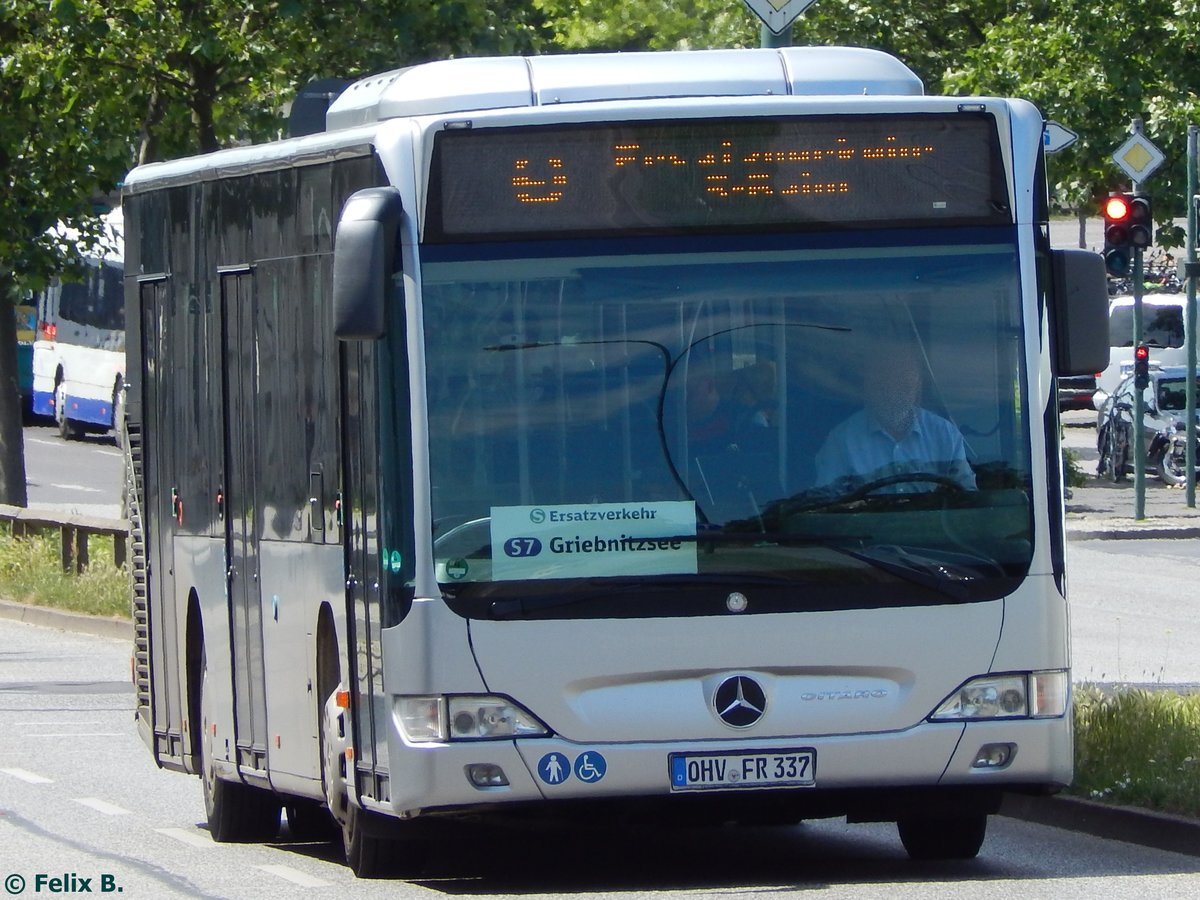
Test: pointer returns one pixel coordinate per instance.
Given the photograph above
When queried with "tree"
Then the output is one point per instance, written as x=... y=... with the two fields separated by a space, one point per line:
x=1093 y=69
x=57 y=157
x=89 y=88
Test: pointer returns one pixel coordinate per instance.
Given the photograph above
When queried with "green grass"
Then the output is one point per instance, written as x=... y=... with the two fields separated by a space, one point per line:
x=31 y=572
x=1138 y=748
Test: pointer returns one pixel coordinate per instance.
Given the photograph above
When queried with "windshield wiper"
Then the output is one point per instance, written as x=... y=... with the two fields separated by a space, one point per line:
x=761 y=537
x=948 y=573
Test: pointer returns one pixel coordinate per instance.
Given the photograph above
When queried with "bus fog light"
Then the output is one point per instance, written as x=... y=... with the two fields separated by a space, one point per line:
x=994 y=756
x=483 y=775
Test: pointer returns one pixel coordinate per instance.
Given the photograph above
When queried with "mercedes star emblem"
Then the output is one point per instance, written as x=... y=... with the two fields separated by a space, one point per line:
x=739 y=701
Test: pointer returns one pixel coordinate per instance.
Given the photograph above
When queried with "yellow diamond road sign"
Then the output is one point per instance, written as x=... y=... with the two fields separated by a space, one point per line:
x=1137 y=157
x=778 y=14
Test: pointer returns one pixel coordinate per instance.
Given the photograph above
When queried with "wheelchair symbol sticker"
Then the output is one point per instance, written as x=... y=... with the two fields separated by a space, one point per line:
x=590 y=767
x=554 y=768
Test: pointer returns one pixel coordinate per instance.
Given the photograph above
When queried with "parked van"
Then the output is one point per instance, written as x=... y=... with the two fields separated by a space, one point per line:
x=1164 y=319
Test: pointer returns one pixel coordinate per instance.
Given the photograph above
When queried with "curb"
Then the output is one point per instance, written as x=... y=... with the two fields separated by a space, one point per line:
x=1133 y=532
x=1161 y=831
x=67 y=621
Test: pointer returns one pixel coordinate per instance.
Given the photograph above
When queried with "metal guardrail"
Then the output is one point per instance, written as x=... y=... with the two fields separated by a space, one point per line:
x=75 y=530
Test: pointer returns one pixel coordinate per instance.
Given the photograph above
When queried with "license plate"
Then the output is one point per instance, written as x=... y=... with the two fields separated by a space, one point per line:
x=767 y=768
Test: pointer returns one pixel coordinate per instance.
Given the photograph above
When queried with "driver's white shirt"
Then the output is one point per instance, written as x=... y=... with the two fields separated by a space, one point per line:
x=861 y=449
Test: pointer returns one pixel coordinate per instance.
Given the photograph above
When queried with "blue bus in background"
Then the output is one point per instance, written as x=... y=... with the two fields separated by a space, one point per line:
x=78 y=371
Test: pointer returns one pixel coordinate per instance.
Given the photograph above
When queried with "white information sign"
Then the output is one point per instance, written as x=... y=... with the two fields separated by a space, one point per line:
x=590 y=540
x=778 y=14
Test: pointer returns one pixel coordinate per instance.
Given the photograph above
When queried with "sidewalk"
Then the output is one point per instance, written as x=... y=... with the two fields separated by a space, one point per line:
x=1102 y=509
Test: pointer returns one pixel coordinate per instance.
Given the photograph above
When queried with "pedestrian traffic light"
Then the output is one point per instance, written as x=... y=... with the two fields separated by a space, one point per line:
x=1118 y=248
x=1141 y=221
x=1141 y=367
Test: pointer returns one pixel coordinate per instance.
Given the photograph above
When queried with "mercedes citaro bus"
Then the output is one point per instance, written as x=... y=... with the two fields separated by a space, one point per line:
x=472 y=446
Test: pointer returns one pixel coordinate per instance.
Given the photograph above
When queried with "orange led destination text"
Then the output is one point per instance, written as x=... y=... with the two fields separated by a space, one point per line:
x=747 y=181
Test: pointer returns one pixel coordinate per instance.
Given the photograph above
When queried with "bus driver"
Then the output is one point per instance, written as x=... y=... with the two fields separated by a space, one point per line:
x=892 y=434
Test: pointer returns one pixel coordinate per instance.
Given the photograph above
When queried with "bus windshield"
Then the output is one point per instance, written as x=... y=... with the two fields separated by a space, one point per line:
x=801 y=419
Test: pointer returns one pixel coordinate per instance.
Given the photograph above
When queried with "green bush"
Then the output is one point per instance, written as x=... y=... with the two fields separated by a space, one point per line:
x=1138 y=748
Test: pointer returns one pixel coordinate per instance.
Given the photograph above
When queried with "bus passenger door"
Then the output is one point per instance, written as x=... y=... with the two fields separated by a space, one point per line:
x=360 y=478
x=159 y=699
x=238 y=349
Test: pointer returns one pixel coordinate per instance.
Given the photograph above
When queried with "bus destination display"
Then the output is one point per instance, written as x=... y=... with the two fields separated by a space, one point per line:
x=698 y=175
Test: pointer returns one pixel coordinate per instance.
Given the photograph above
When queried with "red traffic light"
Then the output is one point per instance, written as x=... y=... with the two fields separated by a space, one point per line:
x=1118 y=248
x=1141 y=366
x=1116 y=208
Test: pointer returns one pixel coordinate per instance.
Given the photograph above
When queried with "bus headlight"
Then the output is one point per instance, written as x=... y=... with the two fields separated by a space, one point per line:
x=464 y=717
x=1019 y=695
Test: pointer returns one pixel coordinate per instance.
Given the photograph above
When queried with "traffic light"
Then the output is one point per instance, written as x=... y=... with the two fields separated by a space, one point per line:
x=1141 y=367
x=1141 y=221
x=1118 y=247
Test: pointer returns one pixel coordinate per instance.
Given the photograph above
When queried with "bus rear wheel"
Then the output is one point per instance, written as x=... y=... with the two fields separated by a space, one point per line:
x=943 y=837
x=236 y=812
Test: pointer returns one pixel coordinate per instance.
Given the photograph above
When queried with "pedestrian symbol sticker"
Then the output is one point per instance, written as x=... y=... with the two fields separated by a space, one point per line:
x=590 y=767
x=554 y=768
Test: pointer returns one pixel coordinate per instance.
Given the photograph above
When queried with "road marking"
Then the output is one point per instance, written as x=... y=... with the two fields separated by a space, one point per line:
x=295 y=876
x=28 y=776
x=102 y=806
x=191 y=838
x=77 y=487
x=37 y=734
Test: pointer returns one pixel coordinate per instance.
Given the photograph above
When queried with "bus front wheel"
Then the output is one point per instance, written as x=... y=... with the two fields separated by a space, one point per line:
x=236 y=812
x=948 y=837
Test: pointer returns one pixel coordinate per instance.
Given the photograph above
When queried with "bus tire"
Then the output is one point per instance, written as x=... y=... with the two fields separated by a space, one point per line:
x=943 y=837
x=67 y=429
x=236 y=812
x=366 y=853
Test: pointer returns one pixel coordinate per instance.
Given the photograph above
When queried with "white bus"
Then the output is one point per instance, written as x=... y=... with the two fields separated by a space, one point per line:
x=79 y=349
x=475 y=446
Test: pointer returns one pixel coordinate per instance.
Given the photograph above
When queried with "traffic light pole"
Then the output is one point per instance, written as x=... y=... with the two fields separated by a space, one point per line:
x=1139 y=401
x=1190 y=380
x=768 y=38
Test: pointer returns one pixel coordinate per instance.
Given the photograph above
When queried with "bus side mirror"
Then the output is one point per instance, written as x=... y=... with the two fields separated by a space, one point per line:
x=1079 y=312
x=364 y=256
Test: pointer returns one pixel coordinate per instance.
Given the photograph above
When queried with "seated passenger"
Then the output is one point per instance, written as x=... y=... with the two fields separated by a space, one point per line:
x=892 y=434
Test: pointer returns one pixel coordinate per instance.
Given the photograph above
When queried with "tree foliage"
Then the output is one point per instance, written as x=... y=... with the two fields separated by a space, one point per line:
x=90 y=87
x=1095 y=69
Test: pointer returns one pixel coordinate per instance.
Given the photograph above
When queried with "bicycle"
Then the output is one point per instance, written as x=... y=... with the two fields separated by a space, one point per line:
x=1116 y=444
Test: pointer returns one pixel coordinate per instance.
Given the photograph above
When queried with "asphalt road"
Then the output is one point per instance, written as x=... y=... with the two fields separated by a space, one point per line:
x=84 y=476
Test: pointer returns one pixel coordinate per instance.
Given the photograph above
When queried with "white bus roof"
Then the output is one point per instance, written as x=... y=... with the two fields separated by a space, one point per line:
x=480 y=84
x=462 y=85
